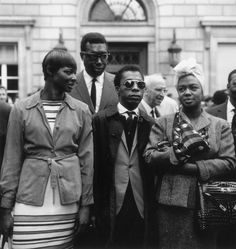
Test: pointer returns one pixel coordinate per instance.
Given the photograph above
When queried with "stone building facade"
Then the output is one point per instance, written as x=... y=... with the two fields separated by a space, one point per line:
x=138 y=31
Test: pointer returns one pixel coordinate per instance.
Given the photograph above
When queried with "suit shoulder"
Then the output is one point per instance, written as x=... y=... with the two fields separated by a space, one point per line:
x=216 y=108
x=5 y=108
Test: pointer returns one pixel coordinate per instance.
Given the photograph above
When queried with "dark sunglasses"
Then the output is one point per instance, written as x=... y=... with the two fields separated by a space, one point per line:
x=130 y=84
x=95 y=56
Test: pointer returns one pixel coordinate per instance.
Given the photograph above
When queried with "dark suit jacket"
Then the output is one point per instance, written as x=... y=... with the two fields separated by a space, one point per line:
x=4 y=115
x=108 y=130
x=109 y=95
x=219 y=111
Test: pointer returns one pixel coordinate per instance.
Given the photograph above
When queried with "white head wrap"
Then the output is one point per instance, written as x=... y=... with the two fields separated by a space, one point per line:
x=189 y=66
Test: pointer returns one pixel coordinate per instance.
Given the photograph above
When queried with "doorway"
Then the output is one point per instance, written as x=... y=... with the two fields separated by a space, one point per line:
x=127 y=53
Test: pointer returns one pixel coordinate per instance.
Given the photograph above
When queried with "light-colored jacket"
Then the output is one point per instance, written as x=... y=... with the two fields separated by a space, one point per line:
x=176 y=187
x=32 y=152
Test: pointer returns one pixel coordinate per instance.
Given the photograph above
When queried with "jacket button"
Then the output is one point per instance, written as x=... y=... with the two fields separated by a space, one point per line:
x=130 y=166
x=52 y=150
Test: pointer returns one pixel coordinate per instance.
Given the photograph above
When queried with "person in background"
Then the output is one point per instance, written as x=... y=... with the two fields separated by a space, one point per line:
x=184 y=148
x=4 y=116
x=123 y=185
x=47 y=170
x=226 y=111
x=155 y=95
x=94 y=85
x=219 y=97
x=4 y=97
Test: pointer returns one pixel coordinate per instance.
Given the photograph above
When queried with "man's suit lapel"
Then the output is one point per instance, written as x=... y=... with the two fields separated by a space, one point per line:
x=107 y=85
x=82 y=91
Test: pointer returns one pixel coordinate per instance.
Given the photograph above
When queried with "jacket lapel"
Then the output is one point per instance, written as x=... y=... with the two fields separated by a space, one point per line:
x=106 y=90
x=82 y=92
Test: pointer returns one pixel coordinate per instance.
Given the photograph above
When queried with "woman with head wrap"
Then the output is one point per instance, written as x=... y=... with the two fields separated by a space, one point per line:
x=185 y=148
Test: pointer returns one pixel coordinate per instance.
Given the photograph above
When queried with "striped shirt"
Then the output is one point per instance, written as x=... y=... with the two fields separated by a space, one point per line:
x=51 y=109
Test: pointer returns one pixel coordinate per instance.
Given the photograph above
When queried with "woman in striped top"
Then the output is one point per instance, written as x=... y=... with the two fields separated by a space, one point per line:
x=46 y=180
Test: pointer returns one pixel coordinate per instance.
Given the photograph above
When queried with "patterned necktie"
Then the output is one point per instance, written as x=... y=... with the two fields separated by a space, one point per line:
x=93 y=92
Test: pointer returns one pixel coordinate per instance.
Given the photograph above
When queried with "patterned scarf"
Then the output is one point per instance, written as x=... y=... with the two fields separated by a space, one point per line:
x=188 y=142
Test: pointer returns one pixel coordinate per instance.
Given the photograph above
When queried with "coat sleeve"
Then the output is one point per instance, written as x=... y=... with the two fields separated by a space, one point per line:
x=152 y=155
x=13 y=158
x=86 y=157
x=224 y=162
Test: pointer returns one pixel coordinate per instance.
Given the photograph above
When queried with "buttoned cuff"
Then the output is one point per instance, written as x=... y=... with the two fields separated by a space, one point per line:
x=7 y=202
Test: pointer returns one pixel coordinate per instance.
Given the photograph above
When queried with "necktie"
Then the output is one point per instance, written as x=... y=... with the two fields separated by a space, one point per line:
x=130 y=127
x=154 y=112
x=233 y=127
x=93 y=92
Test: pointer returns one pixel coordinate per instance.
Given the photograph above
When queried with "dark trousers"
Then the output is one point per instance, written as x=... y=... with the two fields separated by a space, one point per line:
x=129 y=226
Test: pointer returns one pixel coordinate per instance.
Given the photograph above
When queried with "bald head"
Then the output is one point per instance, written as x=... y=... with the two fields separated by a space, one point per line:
x=155 y=89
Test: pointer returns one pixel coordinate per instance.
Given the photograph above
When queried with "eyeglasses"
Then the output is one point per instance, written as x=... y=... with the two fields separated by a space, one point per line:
x=162 y=90
x=130 y=84
x=94 y=56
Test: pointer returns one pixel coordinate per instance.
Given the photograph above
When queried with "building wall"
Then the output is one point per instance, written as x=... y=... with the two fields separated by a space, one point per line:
x=52 y=15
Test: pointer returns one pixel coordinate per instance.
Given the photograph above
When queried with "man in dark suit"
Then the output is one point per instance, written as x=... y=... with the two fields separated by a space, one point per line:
x=95 y=86
x=4 y=115
x=227 y=238
x=123 y=185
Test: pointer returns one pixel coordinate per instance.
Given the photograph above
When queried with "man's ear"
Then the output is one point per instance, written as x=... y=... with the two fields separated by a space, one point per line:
x=117 y=89
x=49 y=71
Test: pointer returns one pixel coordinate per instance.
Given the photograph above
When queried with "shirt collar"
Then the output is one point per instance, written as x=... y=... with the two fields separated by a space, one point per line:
x=88 y=78
x=35 y=100
x=122 y=110
x=146 y=106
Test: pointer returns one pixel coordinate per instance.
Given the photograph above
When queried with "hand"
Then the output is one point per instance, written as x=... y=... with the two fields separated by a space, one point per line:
x=6 y=222
x=83 y=219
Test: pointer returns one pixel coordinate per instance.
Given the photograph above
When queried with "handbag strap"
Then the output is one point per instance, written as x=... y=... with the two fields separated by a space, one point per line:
x=213 y=199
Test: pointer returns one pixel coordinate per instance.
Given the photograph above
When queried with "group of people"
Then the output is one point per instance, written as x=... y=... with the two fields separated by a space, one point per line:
x=114 y=153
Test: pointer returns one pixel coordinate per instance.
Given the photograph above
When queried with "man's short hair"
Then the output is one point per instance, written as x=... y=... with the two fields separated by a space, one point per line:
x=92 y=37
x=56 y=59
x=132 y=68
x=230 y=75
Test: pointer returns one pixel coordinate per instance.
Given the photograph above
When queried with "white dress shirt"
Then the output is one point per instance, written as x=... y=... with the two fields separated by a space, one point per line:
x=123 y=111
x=99 y=85
x=230 y=112
x=149 y=109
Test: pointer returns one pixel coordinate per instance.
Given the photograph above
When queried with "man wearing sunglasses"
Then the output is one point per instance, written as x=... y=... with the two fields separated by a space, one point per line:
x=155 y=102
x=123 y=186
x=95 y=86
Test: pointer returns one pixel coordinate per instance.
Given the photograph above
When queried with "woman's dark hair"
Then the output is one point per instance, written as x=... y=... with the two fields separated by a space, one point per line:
x=132 y=68
x=56 y=59
x=92 y=37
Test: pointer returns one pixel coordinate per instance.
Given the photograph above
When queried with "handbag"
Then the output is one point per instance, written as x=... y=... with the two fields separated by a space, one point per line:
x=217 y=204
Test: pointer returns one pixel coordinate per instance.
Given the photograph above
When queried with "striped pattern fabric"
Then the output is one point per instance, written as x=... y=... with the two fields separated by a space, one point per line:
x=51 y=109
x=48 y=231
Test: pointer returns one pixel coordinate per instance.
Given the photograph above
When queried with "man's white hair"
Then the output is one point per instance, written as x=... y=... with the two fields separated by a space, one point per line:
x=154 y=78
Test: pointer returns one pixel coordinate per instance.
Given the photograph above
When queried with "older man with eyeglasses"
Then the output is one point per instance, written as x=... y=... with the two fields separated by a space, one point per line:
x=155 y=102
x=95 y=86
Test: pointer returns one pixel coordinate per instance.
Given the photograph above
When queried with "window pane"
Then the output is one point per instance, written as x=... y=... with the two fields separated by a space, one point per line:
x=12 y=70
x=8 y=53
x=12 y=84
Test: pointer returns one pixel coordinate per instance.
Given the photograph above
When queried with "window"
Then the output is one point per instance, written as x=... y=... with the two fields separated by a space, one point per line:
x=9 y=69
x=118 y=11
